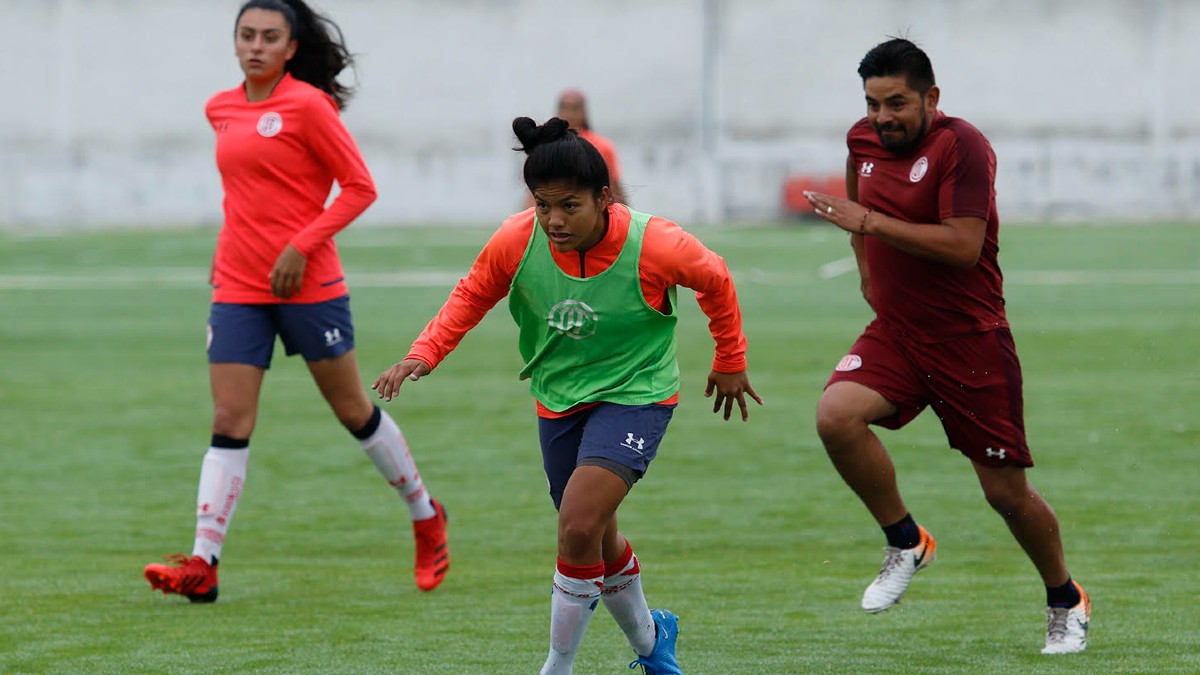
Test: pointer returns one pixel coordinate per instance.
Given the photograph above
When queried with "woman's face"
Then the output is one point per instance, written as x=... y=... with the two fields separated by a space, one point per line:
x=572 y=109
x=263 y=44
x=571 y=217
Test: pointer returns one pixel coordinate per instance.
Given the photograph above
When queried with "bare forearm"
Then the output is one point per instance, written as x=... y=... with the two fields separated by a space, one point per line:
x=956 y=242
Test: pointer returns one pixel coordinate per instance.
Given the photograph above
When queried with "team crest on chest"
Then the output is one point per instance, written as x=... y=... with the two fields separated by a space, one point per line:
x=919 y=169
x=573 y=318
x=270 y=124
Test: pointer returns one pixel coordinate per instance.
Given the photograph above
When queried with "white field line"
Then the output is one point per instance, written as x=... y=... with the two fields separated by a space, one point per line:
x=837 y=268
x=183 y=278
x=198 y=278
x=1111 y=278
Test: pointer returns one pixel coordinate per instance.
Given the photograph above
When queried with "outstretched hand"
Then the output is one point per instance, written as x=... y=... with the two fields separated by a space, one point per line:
x=388 y=384
x=731 y=387
x=845 y=213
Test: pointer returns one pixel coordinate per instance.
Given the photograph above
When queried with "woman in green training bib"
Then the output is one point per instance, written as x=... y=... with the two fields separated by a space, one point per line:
x=592 y=287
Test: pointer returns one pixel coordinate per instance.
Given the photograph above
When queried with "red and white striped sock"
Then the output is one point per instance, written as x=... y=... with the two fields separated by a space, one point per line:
x=622 y=595
x=572 y=603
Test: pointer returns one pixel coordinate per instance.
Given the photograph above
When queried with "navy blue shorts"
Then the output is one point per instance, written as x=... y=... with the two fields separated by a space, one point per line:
x=246 y=333
x=621 y=438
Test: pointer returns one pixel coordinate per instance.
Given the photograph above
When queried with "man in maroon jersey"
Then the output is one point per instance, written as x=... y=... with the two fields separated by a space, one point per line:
x=922 y=219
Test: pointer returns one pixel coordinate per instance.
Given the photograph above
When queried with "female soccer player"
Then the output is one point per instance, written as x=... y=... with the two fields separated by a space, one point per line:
x=280 y=145
x=592 y=287
x=572 y=107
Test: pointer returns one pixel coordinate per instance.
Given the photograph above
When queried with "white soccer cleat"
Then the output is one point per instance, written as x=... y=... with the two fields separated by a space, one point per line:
x=898 y=569
x=1067 y=627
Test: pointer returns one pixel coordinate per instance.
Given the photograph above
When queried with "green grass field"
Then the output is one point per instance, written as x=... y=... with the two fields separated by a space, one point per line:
x=744 y=530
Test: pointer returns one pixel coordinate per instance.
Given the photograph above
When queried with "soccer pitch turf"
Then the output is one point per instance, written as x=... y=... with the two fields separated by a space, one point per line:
x=744 y=530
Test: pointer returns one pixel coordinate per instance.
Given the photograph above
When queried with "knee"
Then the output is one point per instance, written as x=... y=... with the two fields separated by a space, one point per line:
x=836 y=422
x=353 y=413
x=232 y=421
x=1007 y=500
x=577 y=533
x=353 y=420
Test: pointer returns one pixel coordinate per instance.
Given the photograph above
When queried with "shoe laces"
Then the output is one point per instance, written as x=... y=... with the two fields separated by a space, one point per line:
x=180 y=559
x=645 y=666
x=895 y=556
x=1056 y=623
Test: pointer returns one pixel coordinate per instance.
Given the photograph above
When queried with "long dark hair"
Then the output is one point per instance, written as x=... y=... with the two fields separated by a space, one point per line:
x=321 y=53
x=555 y=152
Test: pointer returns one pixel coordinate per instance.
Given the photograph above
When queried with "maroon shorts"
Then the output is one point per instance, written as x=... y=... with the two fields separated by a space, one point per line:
x=973 y=383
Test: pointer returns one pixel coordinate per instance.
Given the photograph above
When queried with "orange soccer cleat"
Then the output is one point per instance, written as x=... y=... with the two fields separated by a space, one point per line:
x=433 y=550
x=194 y=578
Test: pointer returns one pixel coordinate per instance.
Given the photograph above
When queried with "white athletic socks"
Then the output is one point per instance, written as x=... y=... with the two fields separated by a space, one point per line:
x=389 y=453
x=623 y=597
x=572 y=602
x=222 y=475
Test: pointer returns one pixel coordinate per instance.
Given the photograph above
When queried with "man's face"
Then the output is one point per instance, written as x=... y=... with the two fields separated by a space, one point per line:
x=899 y=115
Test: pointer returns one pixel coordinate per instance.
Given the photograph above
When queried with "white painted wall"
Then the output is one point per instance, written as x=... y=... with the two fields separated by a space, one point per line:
x=1088 y=103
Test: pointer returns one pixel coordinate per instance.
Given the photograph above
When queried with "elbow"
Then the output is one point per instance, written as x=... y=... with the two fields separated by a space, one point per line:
x=369 y=193
x=966 y=256
x=965 y=260
x=360 y=189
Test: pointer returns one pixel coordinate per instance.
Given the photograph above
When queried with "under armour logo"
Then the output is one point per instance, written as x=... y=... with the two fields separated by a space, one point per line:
x=995 y=454
x=866 y=169
x=332 y=337
x=634 y=444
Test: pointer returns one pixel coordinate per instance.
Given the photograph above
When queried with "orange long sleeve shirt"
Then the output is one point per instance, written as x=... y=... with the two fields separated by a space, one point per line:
x=670 y=257
x=608 y=151
x=278 y=160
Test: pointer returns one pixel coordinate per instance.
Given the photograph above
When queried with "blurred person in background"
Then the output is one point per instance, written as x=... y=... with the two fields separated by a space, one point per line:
x=572 y=107
x=591 y=285
x=280 y=145
x=924 y=228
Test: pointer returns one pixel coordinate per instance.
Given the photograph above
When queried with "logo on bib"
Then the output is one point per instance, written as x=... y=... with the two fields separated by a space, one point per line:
x=919 y=169
x=270 y=124
x=849 y=362
x=573 y=318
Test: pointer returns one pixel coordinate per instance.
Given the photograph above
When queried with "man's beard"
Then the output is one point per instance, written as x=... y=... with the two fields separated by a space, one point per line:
x=904 y=145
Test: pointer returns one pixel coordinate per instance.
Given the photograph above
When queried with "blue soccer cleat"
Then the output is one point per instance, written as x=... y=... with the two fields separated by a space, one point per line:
x=661 y=660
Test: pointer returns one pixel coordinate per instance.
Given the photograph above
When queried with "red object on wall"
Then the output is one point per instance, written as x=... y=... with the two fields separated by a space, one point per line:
x=794 y=187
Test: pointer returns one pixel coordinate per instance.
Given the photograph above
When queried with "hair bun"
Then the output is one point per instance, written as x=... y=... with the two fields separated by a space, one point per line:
x=554 y=129
x=531 y=135
x=527 y=133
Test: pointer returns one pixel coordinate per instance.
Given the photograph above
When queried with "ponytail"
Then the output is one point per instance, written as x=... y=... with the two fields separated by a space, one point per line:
x=321 y=53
